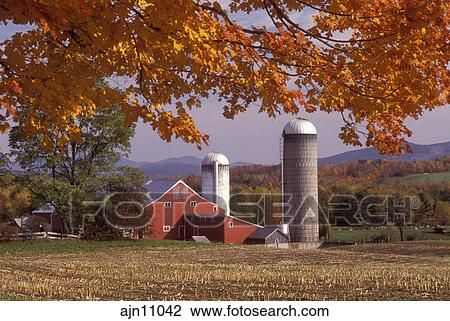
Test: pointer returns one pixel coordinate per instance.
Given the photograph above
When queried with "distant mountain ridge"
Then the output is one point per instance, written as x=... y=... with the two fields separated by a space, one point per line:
x=191 y=165
x=419 y=153
x=172 y=167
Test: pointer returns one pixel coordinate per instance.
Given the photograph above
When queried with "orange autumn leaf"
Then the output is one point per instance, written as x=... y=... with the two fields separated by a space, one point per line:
x=377 y=62
x=14 y=87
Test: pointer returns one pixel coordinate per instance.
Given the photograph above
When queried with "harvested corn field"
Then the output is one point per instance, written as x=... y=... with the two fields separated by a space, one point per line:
x=184 y=271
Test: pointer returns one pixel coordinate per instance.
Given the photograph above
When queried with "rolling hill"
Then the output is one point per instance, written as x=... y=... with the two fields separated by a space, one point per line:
x=420 y=152
x=171 y=167
x=423 y=178
x=191 y=165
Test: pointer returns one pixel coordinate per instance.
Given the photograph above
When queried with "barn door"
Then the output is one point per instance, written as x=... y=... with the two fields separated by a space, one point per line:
x=196 y=230
x=181 y=235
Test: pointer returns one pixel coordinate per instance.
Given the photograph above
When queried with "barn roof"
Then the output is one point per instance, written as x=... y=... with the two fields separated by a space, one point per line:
x=21 y=222
x=48 y=208
x=158 y=187
x=263 y=233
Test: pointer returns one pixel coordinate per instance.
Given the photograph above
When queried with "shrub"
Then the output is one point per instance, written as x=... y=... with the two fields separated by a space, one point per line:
x=439 y=229
x=100 y=230
x=7 y=231
x=383 y=238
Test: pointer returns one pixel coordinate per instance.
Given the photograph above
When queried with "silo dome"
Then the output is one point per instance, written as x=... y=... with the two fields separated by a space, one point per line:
x=212 y=158
x=300 y=126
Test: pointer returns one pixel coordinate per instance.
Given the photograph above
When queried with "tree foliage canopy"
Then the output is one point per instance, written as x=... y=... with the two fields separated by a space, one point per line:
x=376 y=62
x=69 y=173
x=4 y=163
x=104 y=139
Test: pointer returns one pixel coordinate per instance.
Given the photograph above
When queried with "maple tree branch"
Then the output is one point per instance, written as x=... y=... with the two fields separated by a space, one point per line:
x=268 y=13
x=8 y=68
x=353 y=90
x=324 y=10
x=77 y=37
x=288 y=23
x=340 y=14
x=289 y=64
x=351 y=124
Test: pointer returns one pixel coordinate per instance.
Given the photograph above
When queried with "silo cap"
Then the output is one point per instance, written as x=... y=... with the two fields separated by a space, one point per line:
x=300 y=126
x=212 y=158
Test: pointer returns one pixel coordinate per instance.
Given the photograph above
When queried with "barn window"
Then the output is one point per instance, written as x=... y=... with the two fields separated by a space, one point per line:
x=166 y=228
x=167 y=205
x=231 y=224
x=193 y=203
x=214 y=208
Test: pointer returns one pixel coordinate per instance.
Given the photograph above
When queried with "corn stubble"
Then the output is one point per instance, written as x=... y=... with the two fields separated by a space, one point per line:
x=227 y=273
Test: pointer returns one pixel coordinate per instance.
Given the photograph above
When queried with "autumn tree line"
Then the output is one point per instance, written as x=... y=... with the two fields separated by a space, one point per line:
x=366 y=186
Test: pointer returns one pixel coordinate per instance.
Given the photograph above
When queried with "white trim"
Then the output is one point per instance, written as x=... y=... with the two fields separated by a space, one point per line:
x=179 y=181
x=244 y=221
x=274 y=232
x=149 y=192
x=207 y=201
x=277 y=229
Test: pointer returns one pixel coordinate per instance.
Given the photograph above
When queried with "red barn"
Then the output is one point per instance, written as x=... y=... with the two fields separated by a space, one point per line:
x=177 y=212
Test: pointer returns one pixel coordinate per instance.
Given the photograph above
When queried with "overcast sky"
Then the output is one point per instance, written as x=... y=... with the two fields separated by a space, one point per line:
x=253 y=137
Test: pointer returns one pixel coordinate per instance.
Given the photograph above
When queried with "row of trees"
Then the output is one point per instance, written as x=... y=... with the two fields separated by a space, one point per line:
x=373 y=198
x=361 y=172
x=375 y=205
x=379 y=170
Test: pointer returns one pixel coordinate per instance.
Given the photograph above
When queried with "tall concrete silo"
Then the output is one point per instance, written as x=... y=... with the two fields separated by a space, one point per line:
x=299 y=180
x=216 y=180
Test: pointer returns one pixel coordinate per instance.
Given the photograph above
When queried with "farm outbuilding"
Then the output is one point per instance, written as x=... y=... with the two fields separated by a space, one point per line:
x=46 y=219
x=41 y=220
x=269 y=236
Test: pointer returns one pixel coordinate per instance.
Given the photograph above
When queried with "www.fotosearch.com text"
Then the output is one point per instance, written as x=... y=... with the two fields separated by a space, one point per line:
x=176 y=310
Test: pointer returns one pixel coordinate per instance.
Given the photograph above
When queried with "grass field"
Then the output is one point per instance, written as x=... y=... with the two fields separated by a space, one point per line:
x=69 y=246
x=361 y=235
x=158 y=270
x=424 y=178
